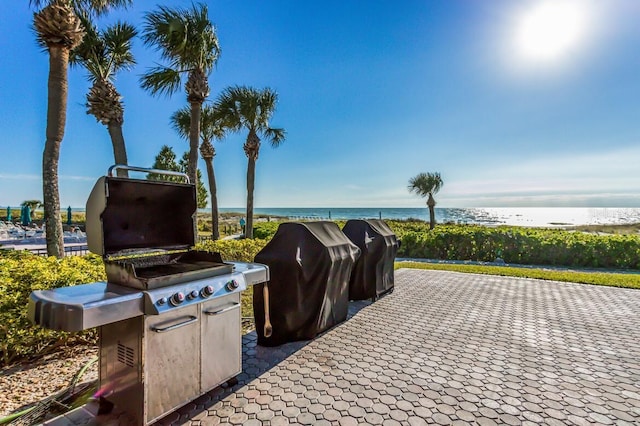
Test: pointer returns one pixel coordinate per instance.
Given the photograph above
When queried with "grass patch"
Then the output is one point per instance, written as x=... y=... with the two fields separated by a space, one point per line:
x=597 y=278
x=623 y=229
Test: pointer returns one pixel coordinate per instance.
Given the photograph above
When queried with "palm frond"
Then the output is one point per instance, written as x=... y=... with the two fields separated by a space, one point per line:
x=227 y=108
x=424 y=184
x=91 y=42
x=118 y=43
x=181 y=122
x=105 y=53
x=202 y=50
x=91 y=53
x=184 y=37
x=186 y=40
x=211 y=125
x=165 y=30
x=243 y=107
x=275 y=136
x=161 y=81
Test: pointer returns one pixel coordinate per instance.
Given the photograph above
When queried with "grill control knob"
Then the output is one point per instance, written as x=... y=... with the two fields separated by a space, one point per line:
x=193 y=295
x=232 y=285
x=206 y=291
x=177 y=299
x=162 y=301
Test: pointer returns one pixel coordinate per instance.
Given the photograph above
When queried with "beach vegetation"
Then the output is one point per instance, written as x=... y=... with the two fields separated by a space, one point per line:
x=21 y=273
x=426 y=185
x=187 y=41
x=103 y=54
x=59 y=30
x=247 y=108
x=518 y=245
x=210 y=129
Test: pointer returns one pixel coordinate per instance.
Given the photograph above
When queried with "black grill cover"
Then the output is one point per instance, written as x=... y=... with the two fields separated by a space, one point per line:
x=372 y=274
x=310 y=265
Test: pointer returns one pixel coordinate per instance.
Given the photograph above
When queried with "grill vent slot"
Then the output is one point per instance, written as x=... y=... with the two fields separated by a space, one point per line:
x=126 y=355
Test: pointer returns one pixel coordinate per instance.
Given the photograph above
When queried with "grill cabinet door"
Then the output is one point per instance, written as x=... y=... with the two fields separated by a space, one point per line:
x=172 y=367
x=221 y=341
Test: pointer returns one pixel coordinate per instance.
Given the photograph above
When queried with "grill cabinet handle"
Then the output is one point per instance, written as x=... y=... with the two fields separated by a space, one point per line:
x=191 y=319
x=146 y=170
x=223 y=310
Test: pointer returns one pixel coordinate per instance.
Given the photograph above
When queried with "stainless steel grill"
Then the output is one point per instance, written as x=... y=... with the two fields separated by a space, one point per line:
x=168 y=316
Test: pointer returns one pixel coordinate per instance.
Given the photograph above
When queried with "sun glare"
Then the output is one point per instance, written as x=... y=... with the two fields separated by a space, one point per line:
x=549 y=30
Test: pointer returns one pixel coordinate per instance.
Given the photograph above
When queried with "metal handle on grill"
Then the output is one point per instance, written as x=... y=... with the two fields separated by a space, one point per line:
x=146 y=170
x=191 y=319
x=268 y=329
x=223 y=310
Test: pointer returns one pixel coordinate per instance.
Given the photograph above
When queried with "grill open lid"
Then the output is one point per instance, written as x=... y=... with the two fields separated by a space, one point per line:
x=126 y=215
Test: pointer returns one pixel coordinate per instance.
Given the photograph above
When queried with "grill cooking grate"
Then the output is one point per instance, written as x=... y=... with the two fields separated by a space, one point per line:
x=139 y=260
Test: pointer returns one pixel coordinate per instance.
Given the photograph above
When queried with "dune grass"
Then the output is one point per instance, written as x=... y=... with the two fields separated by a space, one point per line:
x=596 y=278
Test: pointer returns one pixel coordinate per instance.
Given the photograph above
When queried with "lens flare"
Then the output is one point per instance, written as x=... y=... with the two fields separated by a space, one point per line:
x=550 y=30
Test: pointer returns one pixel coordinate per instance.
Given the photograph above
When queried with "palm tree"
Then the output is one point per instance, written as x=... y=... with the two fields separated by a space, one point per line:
x=210 y=129
x=187 y=40
x=427 y=184
x=103 y=54
x=242 y=107
x=59 y=30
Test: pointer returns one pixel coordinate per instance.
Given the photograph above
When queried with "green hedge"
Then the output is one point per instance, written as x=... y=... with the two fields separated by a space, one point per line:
x=20 y=274
x=529 y=246
x=239 y=250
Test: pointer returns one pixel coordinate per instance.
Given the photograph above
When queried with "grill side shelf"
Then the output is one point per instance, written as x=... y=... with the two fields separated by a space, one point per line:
x=84 y=306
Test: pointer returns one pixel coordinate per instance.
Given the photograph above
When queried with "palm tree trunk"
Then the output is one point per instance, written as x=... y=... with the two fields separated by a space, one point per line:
x=57 y=87
x=431 y=203
x=251 y=176
x=119 y=149
x=215 y=230
x=194 y=141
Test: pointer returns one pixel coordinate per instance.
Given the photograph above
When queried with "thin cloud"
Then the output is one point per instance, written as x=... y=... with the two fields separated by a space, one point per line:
x=80 y=178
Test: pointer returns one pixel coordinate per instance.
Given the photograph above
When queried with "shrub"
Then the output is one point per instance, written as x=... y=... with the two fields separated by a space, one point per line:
x=239 y=250
x=265 y=230
x=20 y=274
x=531 y=246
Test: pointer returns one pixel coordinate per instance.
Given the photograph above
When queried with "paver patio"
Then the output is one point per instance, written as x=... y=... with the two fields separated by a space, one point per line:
x=449 y=348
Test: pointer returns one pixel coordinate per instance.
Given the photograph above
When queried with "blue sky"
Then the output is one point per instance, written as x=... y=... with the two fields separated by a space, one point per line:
x=514 y=103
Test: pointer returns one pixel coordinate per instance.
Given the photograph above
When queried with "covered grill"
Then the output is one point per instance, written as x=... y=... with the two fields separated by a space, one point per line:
x=168 y=316
x=372 y=275
x=310 y=264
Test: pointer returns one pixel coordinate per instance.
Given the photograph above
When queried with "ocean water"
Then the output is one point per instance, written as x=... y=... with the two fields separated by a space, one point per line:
x=521 y=216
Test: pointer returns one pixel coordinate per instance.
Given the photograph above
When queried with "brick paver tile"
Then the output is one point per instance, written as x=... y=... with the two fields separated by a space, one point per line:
x=447 y=347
